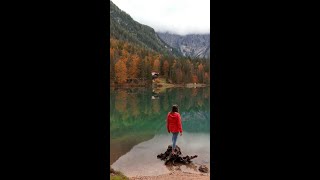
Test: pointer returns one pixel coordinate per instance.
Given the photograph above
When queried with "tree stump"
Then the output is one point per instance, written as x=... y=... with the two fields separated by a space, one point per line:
x=168 y=157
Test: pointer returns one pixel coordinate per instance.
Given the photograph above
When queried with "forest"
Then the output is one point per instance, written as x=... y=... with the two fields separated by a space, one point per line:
x=132 y=64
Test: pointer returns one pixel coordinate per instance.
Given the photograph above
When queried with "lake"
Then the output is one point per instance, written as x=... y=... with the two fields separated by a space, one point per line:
x=138 y=128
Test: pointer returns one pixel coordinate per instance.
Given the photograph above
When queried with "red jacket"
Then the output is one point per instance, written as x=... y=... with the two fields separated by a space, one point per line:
x=174 y=122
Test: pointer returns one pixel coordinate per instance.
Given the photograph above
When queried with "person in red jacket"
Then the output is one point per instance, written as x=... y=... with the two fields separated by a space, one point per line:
x=174 y=125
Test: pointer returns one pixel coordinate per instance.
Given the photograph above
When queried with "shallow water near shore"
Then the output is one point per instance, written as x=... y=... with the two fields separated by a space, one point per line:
x=138 y=129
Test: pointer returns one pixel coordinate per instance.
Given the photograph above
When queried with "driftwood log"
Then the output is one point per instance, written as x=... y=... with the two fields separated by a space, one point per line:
x=177 y=157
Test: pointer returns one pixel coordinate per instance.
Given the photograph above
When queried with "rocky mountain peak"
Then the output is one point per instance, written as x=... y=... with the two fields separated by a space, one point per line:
x=192 y=45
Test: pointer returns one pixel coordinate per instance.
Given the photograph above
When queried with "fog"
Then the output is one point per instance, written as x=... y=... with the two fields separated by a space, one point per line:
x=174 y=16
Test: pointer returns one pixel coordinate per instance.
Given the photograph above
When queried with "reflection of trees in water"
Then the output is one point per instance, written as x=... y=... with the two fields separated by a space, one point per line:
x=156 y=106
x=121 y=101
x=133 y=102
x=198 y=122
x=200 y=102
x=140 y=103
x=165 y=103
x=206 y=93
x=136 y=111
x=194 y=92
x=135 y=117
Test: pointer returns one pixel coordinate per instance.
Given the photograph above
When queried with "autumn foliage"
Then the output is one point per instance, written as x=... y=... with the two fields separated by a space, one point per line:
x=128 y=61
x=121 y=71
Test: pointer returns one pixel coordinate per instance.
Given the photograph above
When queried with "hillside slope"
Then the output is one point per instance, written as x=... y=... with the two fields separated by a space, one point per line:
x=123 y=27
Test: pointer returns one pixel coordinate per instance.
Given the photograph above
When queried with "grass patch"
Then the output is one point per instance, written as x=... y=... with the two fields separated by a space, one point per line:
x=117 y=175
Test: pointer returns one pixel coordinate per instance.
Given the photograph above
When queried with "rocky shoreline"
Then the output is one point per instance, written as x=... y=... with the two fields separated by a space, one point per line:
x=176 y=174
x=174 y=163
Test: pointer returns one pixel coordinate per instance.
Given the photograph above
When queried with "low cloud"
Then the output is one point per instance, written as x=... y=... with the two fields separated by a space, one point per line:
x=174 y=16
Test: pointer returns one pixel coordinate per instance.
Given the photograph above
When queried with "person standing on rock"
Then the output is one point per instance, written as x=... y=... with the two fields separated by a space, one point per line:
x=174 y=125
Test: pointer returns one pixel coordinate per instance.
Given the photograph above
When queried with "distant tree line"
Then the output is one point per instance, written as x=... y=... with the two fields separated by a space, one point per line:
x=128 y=61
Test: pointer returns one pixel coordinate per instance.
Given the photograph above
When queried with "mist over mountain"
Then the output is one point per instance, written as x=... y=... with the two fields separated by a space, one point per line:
x=136 y=51
x=192 y=45
x=123 y=27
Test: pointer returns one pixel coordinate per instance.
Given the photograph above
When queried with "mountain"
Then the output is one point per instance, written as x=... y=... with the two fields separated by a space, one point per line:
x=193 y=45
x=123 y=27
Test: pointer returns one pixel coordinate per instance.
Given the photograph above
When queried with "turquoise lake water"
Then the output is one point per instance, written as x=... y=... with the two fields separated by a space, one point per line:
x=138 y=128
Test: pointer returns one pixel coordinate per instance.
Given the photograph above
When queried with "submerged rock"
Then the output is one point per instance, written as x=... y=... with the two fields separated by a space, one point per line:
x=168 y=157
x=112 y=170
x=203 y=168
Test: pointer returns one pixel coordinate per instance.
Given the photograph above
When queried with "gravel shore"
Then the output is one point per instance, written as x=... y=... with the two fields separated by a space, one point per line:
x=177 y=175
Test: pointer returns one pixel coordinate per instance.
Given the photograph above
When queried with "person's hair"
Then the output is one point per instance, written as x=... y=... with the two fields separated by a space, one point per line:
x=175 y=108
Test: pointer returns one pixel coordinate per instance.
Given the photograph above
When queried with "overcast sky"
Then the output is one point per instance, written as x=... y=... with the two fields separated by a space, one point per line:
x=175 y=16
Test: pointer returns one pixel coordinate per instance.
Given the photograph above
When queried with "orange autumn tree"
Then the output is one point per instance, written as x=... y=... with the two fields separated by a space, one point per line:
x=206 y=77
x=133 y=68
x=121 y=71
x=112 y=60
x=124 y=53
x=112 y=53
x=139 y=62
x=200 y=73
x=156 y=65
x=179 y=76
x=194 y=79
x=166 y=68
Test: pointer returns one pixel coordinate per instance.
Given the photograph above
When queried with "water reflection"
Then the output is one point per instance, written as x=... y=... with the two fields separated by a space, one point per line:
x=154 y=94
x=137 y=122
x=155 y=97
